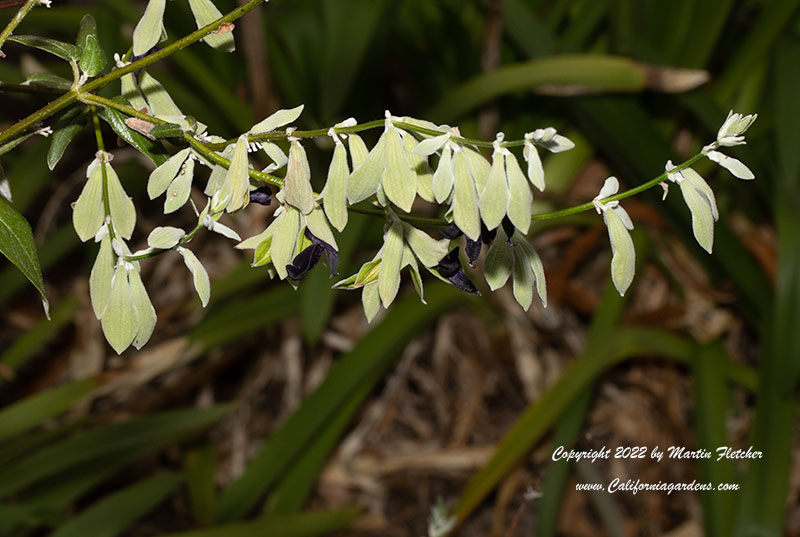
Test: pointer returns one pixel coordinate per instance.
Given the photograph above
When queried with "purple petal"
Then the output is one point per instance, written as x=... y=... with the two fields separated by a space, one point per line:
x=509 y=228
x=262 y=196
x=473 y=250
x=487 y=235
x=330 y=251
x=452 y=232
x=304 y=262
x=461 y=281
x=449 y=264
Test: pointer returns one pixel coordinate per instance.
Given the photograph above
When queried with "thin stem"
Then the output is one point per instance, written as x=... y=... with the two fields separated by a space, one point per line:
x=101 y=149
x=12 y=25
x=74 y=94
x=29 y=89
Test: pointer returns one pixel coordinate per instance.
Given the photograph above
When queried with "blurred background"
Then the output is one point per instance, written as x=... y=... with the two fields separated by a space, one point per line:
x=276 y=412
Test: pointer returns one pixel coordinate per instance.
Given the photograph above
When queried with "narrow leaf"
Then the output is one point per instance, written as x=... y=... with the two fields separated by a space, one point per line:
x=16 y=243
x=65 y=51
x=93 y=59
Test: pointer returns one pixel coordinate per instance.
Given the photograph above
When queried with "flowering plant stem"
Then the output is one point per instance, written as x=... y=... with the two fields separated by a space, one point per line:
x=74 y=95
x=12 y=25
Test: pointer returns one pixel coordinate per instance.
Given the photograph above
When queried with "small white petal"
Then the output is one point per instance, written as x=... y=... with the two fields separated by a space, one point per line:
x=735 y=166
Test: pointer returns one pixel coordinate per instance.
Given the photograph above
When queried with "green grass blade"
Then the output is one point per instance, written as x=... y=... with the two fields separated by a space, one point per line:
x=601 y=73
x=116 y=513
x=365 y=364
x=200 y=467
x=34 y=410
x=305 y=524
x=152 y=431
x=711 y=401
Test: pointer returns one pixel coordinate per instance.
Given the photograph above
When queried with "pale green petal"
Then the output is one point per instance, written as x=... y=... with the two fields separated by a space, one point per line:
x=318 y=225
x=238 y=177
x=252 y=242
x=429 y=146
x=297 y=189
x=281 y=118
x=536 y=265
x=427 y=249
x=165 y=237
x=369 y=272
x=123 y=213
x=131 y=91
x=702 y=217
x=158 y=100
x=205 y=12
x=735 y=166
x=179 y=190
x=201 y=282
x=224 y=230
x=520 y=197
x=358 y=150
x=284 y=239
x=535 y=169
x=276 y=154
x=148 y=30
x=419 y=165
x=144 y=309
x=697 y=181
x=216 y=181
x=120 y=320
x=399 y=180
x=161 y=177
x=499 y=261
x=389 y=277
x=478 y=166
x=334 y=194
x=494 y=198
x=411 y=262
x=524 y=279
x=465 y=199
x=366 y=178
x=623 y=260
x=88 y=212
x=263 y=253
x=100 y=277
x=443 y=179
x=371 y=301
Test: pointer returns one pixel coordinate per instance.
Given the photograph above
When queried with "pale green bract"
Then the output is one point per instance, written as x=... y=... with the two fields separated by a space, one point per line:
x=205 y=12
x=165 y=237
x=237 y=180
x=148 y=30
x=623 y=260
x=202 y=284
x=389 y=276
x=334 y=194
x=100 y=277
x=88 y=212
x=297 y=189
x=120 y=320
x=123 y=213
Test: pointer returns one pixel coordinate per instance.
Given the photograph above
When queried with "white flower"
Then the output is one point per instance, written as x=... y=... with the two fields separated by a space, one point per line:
x=731 y=132
x=623 y=260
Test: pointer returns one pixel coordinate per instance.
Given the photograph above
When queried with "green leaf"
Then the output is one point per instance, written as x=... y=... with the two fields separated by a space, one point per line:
x=93 y=59
x=151 y=149
x=36 y=409
x=49 y=80
x=149 y=433
x=166 y=130
x=16 y=243
x=116 y=513
x=64 y=131
x=148 y=30
x=66 y=51
x=205 y=12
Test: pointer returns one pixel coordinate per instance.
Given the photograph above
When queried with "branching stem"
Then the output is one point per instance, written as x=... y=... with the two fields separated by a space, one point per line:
x=12 y=25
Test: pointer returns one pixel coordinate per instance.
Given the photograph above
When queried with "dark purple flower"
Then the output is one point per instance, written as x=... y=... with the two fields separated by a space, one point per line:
x=509 y=228
x=310 y=256
x=450 y=269
x=262 y=196
x=452 y=232
x=473 y=248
